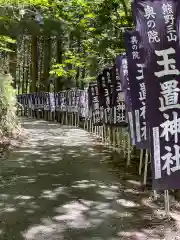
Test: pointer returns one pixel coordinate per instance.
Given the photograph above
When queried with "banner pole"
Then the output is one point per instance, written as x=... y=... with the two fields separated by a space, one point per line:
x=87 y=124
x=124 y=143
x=119 y=139
x=109 y=136
x=113 y=137
x=129 y=151
x=72 y=119
x=76 y=119
x=66 y=120
x=155 y=194
x=92 y=126
x=102 y=134
x=145 y=168
x=167 y=205
x=90 y=122
x=141 y=161
x=105 y=136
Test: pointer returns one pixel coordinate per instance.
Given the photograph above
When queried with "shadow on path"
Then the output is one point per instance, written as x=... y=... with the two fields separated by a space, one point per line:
x=60 y=184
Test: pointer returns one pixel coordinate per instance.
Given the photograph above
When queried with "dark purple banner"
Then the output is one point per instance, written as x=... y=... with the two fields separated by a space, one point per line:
x=108 y=75
x=107 y=86
x=118 y=103
x=157 y=22
x=101 y=96
x=137 y=87
x=127 y=97
x=63 y=100
x=95 y=106
x=71 y=100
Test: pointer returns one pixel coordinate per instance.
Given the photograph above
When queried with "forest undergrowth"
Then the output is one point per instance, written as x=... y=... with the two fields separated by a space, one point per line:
x=10 y=127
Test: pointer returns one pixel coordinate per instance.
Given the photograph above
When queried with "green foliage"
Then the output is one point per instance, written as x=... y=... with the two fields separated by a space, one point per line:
x=24 y=3
x=91 y=31
x=8 y=119
x=96 y=30
x=4 y=41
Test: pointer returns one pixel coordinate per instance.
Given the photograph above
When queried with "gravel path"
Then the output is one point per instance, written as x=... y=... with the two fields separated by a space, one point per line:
x=62 y=184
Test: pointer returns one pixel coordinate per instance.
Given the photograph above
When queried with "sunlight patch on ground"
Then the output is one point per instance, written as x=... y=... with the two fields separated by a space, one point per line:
x=49 y=195
x=134 y=182
x=131 y=190
x=102 y=205
x=23 y=197
x=22 y=203
x=30 y=211
x=87 y=203
x=73 y=214
x=43 y=174
x=4 y=196
x=133 y=235
x=84 y=185
x=124 y=214
x=74 y=206
x=108 y=194
x=127 y=203
x=52 y=194
x=25 y=202
x=33 y=205
x=112 y=187
x=9 y=209
x=23 y=166
x=52 y=159
x=107 y=212
x=149 y=203
x=31 y=180
x=33 y=232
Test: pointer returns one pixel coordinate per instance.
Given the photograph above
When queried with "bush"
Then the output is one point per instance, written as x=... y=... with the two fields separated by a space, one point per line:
x=8 y=107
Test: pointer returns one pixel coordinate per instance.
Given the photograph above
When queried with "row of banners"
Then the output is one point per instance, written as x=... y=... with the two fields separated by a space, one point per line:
x=85 y=103
x=141 y=89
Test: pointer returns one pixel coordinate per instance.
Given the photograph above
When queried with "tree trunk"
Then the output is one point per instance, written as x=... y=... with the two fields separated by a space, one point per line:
x=34 y=65
x=59 y=82
x=47 y=61
x=13 y=63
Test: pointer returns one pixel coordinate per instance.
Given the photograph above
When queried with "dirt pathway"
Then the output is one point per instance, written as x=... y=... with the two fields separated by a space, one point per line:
x=62 y=184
